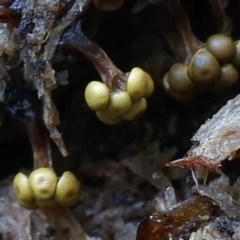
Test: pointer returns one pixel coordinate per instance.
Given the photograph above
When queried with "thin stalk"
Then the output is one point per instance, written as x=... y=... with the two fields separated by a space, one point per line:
x=178 y=33
x=40 y=143
x=110 y=74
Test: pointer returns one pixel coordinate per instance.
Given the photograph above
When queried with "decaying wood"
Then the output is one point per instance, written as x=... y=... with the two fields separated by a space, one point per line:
x=222 y=199
x=217 y=139
x=36 y=48
x=221 y=228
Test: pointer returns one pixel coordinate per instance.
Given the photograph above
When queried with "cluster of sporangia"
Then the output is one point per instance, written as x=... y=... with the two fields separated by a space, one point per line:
x=213 y=68
x=44 y=189
x=114 y=106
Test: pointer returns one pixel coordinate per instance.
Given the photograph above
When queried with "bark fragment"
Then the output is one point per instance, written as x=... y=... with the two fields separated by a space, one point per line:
x=218 y=139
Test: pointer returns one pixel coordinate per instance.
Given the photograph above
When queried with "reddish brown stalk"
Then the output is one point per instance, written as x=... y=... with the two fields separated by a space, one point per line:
x=178 y=33
x=191 y=43
x=40 y=144
x=110 y=74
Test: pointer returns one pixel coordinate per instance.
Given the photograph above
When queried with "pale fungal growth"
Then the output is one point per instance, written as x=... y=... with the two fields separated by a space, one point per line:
x=204 y=68
x=109 y=106
x=108 y=118
x=165 y=83
x=97 y=95
x=23 y=191
x=137 y=84
x=181 y=97
x=43 y=182
x=119 y=103
x=221 y=47
x=123 y=88
x=203 y=60
x=22 y=188
x=42 y=189
x=137 y=109
x=213 y=68
x=68 y=189
x=179 y=79
x=236 y=59
x=150 y=86
x=229 y=76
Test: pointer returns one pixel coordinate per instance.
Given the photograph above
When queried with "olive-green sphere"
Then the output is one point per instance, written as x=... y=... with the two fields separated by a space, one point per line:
x=68 y=189
x=97 y=95
x=204 y=68
x=236 y=59
x=229 y=76
x=22 y=188
x=179 y=79
x=221 y=47
x=150 y=86
x=137 y=83
x=108 y=118
x=137 y=109
x=119 y=103
x=43 y=182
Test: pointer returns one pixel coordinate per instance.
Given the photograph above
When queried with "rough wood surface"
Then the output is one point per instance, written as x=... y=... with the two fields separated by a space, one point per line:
x=218 y=139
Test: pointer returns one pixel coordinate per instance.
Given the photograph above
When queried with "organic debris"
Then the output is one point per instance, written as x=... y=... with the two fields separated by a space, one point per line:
x=51 y=50
x=216 y=140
